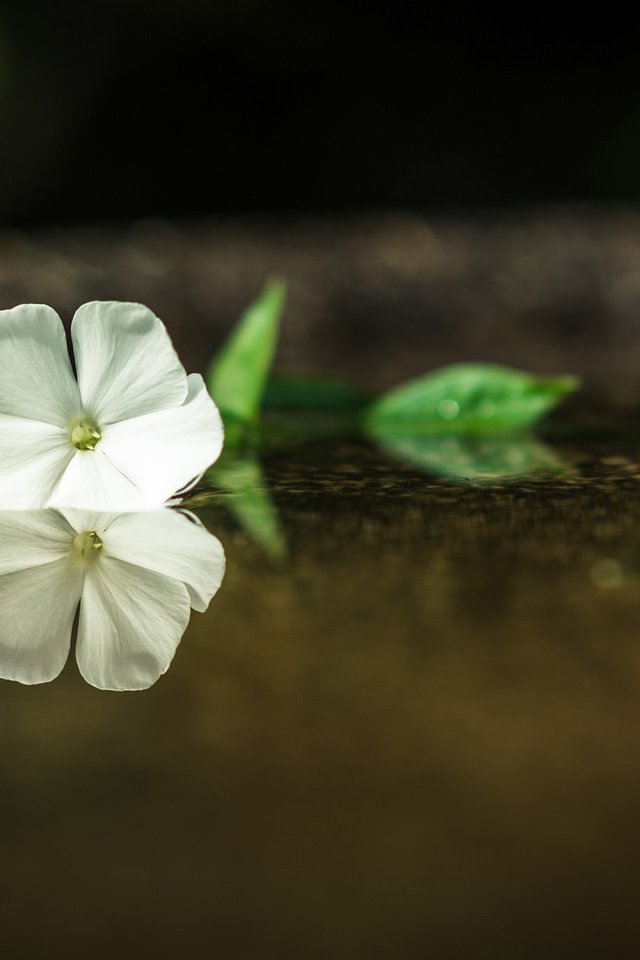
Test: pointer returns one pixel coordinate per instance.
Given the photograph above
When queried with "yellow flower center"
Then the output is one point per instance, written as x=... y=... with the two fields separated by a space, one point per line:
x=86 y=546
x=85 y=434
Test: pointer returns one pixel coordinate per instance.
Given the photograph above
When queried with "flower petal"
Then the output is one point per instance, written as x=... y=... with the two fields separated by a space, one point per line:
x=126 y=363
x=91 y=482
x=36 y=380
x=131 y=622
x=170 y=543
x=33 y=457
x=81 y=520
x=38 y=606
x=162 y=452
x=31 y=538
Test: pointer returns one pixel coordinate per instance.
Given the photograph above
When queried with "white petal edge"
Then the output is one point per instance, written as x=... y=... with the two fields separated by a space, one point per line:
x=38 y=607
x=36 y=379
x=131 y=622
x=169 y=542
x=162 y=452
x=33 y=458
x=127 y=365
x=32 y=538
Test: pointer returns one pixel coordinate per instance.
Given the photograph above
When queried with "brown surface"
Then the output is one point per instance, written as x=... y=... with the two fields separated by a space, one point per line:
x=415 y=735
x=379 y=297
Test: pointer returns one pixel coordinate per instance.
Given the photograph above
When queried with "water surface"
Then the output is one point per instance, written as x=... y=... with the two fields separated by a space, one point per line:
x=408 y=725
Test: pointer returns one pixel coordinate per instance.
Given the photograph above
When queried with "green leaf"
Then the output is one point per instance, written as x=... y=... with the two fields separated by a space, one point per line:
x=468 y=398
x=237 y=376
x=483 y=459
x=301 y=394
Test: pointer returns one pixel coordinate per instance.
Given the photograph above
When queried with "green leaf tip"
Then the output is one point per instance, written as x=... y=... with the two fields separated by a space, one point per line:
x=468 y=398
x=237 y=376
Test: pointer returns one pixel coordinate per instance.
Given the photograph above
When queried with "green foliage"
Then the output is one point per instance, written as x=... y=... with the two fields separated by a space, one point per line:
x=237 y=376
x=461 y=401
x=301 y=394
x=467 y=398
x=481 y=458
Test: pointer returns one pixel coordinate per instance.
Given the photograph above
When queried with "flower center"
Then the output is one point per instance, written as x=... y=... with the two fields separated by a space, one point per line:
x=86 y=546
x=85 y=434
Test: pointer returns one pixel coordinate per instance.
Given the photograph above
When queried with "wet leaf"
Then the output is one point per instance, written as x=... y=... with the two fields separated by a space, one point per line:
x=468 y=398
x=237 y=376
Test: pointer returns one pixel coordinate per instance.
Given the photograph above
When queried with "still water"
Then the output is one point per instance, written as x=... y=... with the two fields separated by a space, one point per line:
x=407 y=726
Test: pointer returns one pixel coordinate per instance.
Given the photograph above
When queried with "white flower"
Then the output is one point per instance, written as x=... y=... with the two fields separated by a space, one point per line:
x=135 y=576
x=130 y=432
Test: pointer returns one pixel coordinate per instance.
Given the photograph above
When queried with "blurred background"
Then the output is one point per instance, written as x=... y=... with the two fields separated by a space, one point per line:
x=449 y=187
x=134 y=107
x=145 y=107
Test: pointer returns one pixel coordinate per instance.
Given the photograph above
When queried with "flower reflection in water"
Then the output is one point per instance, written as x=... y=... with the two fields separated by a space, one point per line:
x=136 y=577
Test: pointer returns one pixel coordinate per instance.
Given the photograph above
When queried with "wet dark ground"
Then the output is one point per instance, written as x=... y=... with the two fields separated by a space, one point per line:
x=407 y=726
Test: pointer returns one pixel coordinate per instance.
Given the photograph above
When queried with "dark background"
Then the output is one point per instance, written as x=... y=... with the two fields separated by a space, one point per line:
x=137 y=108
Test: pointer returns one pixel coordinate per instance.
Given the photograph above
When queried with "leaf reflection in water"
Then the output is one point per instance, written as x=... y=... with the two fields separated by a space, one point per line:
x=250 y=501
x=478 y=458
x=136 y=577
